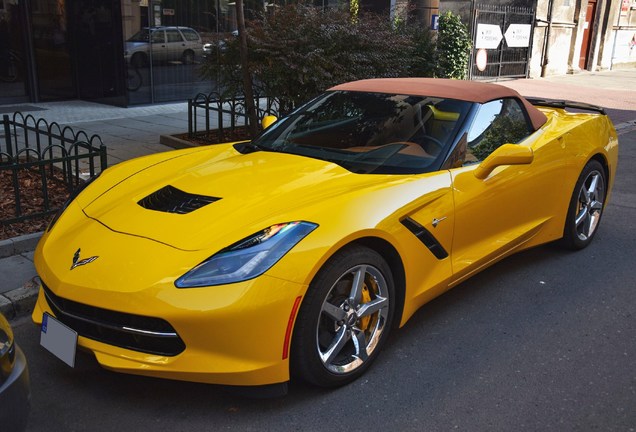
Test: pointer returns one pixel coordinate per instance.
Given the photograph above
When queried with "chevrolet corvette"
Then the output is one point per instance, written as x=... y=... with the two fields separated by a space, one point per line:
x=295 y=254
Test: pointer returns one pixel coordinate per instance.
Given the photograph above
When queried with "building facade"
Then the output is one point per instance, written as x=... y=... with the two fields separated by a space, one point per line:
x=568 y=36
x=77 y=49
x=82 y=49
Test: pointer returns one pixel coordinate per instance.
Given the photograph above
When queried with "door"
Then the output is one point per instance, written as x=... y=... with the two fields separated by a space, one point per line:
x=97 y=50
x=158 y=46
x=175 y=45
x=52 y=46
x=587 y=31
x=505 y=210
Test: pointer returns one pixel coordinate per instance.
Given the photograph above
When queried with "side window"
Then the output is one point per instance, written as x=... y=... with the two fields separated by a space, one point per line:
x=158 y=36
x=496 y=123
x=173 y=36
x=190 y=35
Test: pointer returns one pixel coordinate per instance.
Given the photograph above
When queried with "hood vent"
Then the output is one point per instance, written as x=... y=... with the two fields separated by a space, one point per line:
x=169 y=199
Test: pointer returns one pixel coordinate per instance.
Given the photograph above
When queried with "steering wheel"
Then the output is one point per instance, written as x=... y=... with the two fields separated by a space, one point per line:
x=433 y=149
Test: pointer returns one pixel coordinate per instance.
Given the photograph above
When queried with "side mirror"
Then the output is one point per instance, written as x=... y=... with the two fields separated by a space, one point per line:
x=507 y=154
x=268 y=120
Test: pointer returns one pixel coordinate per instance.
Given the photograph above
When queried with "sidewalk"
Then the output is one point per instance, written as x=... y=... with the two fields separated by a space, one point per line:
x=138 y=131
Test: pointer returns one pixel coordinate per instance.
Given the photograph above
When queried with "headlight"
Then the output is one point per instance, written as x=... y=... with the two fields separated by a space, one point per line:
x=70 y=199
x=247 y=259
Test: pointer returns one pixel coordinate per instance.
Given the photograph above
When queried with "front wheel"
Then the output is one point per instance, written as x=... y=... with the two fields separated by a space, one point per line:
x=345 y=318
x=586 y=207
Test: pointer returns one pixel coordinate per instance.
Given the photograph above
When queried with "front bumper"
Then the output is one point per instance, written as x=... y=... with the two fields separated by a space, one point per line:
x=232 y=335
x=15 y=396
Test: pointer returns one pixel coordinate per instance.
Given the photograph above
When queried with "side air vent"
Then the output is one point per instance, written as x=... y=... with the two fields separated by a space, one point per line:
x=169 y=199
x=425 y=237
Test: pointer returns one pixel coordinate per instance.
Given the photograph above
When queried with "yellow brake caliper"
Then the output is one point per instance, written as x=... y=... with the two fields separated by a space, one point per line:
x=366 y=298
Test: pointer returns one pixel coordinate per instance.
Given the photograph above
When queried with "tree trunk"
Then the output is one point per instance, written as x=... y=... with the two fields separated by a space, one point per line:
x=247 y=77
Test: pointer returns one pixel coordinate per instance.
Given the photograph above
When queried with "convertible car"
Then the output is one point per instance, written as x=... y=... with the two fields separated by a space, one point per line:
x=293 y=255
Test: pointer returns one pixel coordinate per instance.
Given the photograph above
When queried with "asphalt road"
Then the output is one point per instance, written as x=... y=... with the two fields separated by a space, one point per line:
x=545 y=340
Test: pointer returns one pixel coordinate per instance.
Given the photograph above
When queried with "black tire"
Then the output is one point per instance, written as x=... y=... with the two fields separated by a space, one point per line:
x=333 y=311
x=586 y=207
x=187 y=57
x=12 y=70
x=133 y=79
x=139 y=60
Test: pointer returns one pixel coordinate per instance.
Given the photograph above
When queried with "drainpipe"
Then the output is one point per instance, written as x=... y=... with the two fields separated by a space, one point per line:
x=546 y=42
x=618 y=25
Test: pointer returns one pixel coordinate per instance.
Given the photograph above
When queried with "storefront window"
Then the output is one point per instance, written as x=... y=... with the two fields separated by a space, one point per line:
x=12 y=54
x=163 y=60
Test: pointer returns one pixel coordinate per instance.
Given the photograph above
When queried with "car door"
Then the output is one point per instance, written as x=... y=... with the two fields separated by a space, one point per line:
x=175 y=45
x=158 y=45
x=505 y=210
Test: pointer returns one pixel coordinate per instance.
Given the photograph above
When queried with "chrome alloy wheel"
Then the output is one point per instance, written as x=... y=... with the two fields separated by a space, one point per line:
x=352 y=319
x=590 y=205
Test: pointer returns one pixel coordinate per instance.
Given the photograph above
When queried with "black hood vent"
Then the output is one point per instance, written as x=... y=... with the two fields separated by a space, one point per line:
x=169 y=199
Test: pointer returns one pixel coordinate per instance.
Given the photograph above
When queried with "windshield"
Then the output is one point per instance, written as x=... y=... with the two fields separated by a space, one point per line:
x=142 y=36
x=370 y=132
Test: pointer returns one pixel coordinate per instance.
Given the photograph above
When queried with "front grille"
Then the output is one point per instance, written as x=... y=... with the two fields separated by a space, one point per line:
x=169 y=199
x=134 y=332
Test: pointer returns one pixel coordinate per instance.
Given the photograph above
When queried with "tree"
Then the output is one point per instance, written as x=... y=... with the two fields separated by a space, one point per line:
x=245 y=69
x=299 y=51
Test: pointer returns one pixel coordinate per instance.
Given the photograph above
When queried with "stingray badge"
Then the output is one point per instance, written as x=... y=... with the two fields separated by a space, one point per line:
x=80 y=262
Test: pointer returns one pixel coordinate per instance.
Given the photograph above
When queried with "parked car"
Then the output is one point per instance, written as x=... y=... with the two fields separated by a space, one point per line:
x=295 y=254
x=221 y=45
x=15 y=393
x=163 y=44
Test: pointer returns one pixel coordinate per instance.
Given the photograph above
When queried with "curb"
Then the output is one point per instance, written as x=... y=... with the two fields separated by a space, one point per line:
x=176 y=143
x=20 y=244
x=20 y=301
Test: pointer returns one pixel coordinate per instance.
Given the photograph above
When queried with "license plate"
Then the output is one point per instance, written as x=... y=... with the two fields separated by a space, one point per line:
x=60 y=340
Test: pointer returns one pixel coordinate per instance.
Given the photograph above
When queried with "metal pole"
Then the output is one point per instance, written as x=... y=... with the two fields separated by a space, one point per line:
x=7 y=135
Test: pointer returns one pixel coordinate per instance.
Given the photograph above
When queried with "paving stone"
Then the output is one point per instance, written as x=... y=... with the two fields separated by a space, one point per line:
x=15 y=270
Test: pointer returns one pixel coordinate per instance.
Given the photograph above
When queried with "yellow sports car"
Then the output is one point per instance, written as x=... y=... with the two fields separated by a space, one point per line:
x=294 y=255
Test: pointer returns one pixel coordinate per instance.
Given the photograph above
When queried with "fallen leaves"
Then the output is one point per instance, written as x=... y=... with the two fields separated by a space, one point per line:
x=32 y=200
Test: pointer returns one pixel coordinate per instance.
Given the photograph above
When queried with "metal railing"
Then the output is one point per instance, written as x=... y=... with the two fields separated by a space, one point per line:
x=503 y=61
x=211 y=112
x=52 y=153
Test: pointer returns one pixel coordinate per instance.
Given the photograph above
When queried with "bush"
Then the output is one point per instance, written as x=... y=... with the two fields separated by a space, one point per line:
x=453 y=47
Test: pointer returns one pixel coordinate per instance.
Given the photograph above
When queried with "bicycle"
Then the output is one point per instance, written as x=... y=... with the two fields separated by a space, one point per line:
x=12 y=70
x=133 y=80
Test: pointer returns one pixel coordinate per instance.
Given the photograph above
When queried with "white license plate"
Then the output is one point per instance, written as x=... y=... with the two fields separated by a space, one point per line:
x=59 y=339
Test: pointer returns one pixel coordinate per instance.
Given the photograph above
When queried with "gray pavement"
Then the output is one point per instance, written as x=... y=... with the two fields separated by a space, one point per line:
x=138 y=131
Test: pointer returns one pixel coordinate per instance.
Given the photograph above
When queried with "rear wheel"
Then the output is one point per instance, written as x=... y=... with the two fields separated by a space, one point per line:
x=586 y=207
x=344 y=319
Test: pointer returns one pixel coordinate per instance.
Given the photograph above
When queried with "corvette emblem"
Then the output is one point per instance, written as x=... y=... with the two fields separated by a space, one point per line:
x=78 y=262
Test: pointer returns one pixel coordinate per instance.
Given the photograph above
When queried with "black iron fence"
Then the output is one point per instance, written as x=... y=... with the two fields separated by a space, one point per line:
x=45 y=153
x=211 y=113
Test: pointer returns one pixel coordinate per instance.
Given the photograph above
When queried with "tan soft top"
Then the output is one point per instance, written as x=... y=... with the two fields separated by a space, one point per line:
x=470 y=91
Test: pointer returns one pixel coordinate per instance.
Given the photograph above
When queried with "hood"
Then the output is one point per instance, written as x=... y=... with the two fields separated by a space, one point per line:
x=201 y=199
x=135 y=46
